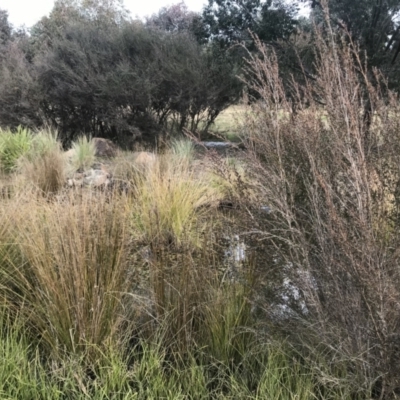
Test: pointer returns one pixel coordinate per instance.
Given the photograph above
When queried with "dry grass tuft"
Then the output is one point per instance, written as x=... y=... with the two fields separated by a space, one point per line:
x=171 y=201
x=64 y=267
x=46 y=172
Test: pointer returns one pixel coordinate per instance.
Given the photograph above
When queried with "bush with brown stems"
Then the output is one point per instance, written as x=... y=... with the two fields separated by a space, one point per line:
x=327 y=164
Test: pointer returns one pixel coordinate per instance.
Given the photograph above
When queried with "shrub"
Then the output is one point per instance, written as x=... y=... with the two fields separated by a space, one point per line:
x=327 y=166
x=20 y=95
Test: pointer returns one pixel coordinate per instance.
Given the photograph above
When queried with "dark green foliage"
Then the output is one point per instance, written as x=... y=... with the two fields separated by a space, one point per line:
x=91 y=70
x=88 y=81
x=16 y=77
x=198 y=88
x=109 y=81
x=18 y=87
x=229 y=21
x=225 y=23
x=5 y=27
x=173 y=18
x=373 y=24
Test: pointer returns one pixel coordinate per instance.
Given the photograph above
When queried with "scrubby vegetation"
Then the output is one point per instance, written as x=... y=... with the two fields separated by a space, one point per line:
x=266 y=271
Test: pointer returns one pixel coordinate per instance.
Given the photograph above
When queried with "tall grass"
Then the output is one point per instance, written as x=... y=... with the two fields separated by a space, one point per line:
x=76 y=327
x=46 y=173
x=44 y=166
x=171 y=199
x=64 y=267
x=183 y=149
x=44 y=141
x=114 y=296
x=327 y=165
x=21 y=373
x=270 y=371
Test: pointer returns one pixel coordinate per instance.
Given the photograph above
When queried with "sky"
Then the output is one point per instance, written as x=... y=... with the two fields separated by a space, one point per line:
x=28 y=12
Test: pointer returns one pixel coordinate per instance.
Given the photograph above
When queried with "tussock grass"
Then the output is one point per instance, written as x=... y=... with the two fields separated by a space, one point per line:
x=44 y=141
x=64 y=267
x=227 y=331
x=183 y=149
x=46 y=173
x=72 y=330
x=123 y=167
x=171 y=199
x=84 y=153
x=44 y=167
x=14 y=145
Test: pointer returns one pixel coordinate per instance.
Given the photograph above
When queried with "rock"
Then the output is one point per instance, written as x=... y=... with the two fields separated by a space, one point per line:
x=213 y=145
x=100 y=180
x=105 y=147
x=266 y=209
x=98 y=176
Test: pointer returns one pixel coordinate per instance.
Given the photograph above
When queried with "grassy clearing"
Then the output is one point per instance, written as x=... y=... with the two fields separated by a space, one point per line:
x=227 y=123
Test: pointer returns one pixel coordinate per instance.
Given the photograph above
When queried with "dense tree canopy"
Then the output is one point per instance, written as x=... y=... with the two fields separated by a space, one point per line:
x=373 y=24
x=89 y=68
x=228 y=21
x=173 y=18
x=5 y=27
